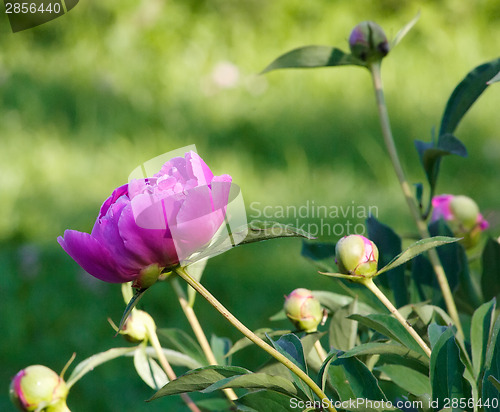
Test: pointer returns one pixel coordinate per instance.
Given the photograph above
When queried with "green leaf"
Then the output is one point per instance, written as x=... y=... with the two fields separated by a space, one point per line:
x=148 y=370
x=360 y=380
x=378 y=348
x=196 y=271
x=257 y=381
x=175 y=358
x=435 y=331
x=220 y=348
x=409 y=379
x=261 y=333
x=336 y=376
x=94 y=361
x=313 y=56
x=495 y=382
x=198 y=379
x=466 y=93
x=490 y=279
x=139 y=293
x=259 y=231
x=321 y=254
x=343 y=331
x=266 y=401
x=214 y=405
x=404 y=31
x=181 y=341
x=334 y=301
x=416 y=249
x=366 y=405
x=389 y=246
x=430 y=155
x=482 y=321
x=492 y=368
x=494 y=79
x=447 y=370
x=390 y=327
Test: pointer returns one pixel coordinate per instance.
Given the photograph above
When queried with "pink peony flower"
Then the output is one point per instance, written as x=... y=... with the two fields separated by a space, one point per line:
x=152 y=224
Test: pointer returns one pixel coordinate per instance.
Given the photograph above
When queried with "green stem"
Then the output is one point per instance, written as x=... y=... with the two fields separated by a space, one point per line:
x=254 y=338
x=198 y=330
x=410 y=200
x=155 y=343
x=380 y=295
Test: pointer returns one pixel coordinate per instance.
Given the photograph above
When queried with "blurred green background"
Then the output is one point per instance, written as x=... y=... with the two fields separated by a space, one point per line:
x=86 y=98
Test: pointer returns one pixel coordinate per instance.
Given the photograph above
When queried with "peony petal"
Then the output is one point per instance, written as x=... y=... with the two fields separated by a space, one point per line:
x=92 y=257
x=198 y=169
x=117 y=193
x=441 y=206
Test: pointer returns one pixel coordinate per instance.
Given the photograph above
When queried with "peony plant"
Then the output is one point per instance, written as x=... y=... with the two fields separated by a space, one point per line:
x=402 y=328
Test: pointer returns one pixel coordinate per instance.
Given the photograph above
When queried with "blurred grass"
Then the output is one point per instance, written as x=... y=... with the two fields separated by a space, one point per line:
x=86 y=98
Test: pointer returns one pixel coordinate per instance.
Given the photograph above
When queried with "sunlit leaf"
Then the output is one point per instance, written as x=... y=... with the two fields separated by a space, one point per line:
x=404 y=31
x=149 y=371
x=313 y=56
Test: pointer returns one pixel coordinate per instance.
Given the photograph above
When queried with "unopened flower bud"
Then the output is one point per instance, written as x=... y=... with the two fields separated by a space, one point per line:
x=137 y=325
x=304 y=310
x=462 y=215
x=356 y=255
x=38 y=387
x=368 y=42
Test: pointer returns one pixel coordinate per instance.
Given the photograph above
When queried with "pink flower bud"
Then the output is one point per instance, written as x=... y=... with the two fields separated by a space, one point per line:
x=38 y=387
x=368 y=42
x=356 y=255
x=462 y=215
x=304 y=310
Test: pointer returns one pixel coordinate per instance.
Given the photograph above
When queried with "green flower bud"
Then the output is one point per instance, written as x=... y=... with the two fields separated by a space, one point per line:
x=136 y=326
x=368 y=42
x=356 y=255
x=38 y=387
x=304 y=310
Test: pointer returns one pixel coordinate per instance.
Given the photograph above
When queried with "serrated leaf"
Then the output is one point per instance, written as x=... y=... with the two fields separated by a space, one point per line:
x=409 y=379
x=466 y=93
x=416 y=249
x=390 y=327
x=404 y=31
x=389 y=246
x=92 y=362
x=181 y=341
x=321 y=254
x=198 y=379
x=343 y=331
x=265 y=401
x=148 y=370
x=311 y=57
x=446 y=371
x=378 y=348
x=490 y=279
x=482 y=321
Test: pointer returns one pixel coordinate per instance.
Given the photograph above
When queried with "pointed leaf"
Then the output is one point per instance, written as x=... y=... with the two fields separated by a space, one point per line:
x=482 y=321
x=409 y=379
x=139 y=293
x=148 y=370
x=495 y=79
x=446 y=371
x=390 y=327
x=266 y=401
x=416 y=249
x=313 y=56
x=403 y=32
x=389 y=246
x=198 y=379
x=466 y=93
x=378 y=348
x=490 y=279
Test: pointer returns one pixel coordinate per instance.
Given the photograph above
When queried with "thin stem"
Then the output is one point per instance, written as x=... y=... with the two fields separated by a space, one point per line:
x=410 y=200
x=254 y=338
x=380 y=295
x=198 y=331
x=320 y=351
x=153 y=338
